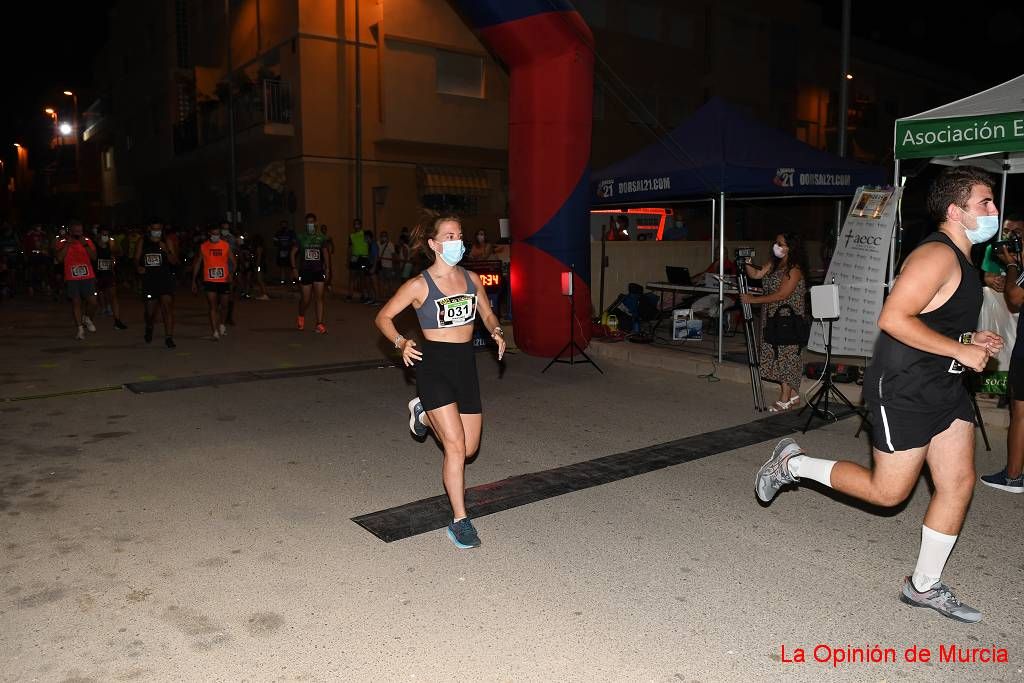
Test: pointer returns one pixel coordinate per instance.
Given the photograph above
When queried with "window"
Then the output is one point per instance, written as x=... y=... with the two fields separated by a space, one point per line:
x=642 y=111
x=595 y=12
x=181 y=34
x=642 y=21
x=460 y=74
x=681 y=32
x=108 y=158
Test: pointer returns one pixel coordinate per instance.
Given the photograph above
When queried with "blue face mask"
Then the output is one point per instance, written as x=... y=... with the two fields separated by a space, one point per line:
x=986 y=228
x=452 y=251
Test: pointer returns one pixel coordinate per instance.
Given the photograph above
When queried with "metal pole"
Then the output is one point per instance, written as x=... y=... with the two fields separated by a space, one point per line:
x=844 y=99
x=604 y=259
x=1002 y=189
x=231 y=124
x=359 y=123
x=721 y=250
x=78 y=159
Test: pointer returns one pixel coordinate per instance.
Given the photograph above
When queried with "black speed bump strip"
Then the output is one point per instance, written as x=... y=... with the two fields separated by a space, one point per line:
x=429 y=514
x=177 y=383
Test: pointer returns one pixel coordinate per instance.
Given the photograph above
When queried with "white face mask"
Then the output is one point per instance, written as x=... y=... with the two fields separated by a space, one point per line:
x=104 y=238
x=155 y=234
x=779 y=251
x=985 y=227
x=215 y=238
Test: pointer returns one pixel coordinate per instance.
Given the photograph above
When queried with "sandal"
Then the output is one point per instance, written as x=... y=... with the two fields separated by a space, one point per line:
x=783 y=406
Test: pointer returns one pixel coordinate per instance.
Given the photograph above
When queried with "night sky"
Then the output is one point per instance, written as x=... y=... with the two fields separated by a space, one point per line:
x=51 y=47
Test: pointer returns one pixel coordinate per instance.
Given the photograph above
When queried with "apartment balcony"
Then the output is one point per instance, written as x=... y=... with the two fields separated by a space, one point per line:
x=263 y=108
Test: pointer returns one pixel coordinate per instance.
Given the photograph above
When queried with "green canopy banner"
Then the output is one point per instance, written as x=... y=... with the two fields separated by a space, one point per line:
x=960 y=136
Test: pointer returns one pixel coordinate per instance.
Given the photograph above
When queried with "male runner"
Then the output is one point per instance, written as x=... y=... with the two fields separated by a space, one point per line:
x=920 y=410
x=77 y=254
x=217 y=262
x=311 y=267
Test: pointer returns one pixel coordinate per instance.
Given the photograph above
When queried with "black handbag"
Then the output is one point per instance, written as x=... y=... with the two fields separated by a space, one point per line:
x=786 y=330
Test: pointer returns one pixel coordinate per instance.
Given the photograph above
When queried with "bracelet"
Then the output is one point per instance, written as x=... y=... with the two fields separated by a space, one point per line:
x=498 y=331
x=399 y=341
x=1013 y=265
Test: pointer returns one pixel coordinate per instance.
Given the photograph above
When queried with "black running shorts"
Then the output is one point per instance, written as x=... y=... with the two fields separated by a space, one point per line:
x=311 y=276
x=899 y=430
x=217 y=287
x=447 y=374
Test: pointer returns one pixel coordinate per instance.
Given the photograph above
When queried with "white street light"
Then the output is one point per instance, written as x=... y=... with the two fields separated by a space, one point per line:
x=65 y=128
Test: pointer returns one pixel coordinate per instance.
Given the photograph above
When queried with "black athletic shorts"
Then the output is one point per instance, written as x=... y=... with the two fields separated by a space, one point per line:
x=105 y=279
x=217 y=287
x=359 y=263
x=1015 y=378
x=157 y=287
x=308 y=278
x=447 y=374
x=899 y=430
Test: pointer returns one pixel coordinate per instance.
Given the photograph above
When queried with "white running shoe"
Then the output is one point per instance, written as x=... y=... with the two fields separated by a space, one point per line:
x=223 y=329
x=80 y=335
x=87 y=321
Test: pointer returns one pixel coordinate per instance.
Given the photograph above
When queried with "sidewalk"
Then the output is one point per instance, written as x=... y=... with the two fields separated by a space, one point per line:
x=700 y=360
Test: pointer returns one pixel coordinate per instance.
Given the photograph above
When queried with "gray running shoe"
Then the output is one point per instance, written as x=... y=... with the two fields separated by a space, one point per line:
x=774 y=473
x=418 y=429
x=463 y=534
x=941 y=599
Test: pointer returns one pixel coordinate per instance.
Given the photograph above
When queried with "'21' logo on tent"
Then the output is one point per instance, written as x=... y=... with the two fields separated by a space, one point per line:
x=784 y=177
x=606 y=189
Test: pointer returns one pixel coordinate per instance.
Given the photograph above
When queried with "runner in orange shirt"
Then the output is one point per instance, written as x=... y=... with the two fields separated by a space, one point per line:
x=217 y=263
x=77 y=253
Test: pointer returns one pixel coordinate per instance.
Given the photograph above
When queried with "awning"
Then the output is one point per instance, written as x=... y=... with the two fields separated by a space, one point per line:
x=453 y=180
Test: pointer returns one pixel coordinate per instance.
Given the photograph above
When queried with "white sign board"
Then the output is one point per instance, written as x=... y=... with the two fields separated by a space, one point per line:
x=859 y=268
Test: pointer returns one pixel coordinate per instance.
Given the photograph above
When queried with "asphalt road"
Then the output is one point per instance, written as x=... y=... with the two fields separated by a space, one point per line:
x=206 y=533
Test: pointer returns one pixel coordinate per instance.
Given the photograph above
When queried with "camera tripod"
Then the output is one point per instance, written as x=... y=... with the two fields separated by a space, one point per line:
x=753 y=353
x=828 y=389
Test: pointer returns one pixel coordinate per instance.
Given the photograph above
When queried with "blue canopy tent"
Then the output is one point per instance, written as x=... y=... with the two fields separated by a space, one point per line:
x=720 y=152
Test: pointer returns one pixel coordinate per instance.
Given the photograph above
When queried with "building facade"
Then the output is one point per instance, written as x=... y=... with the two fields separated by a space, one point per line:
x=422 y=121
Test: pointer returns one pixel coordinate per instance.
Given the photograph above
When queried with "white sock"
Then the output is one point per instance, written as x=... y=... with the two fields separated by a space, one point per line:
x=815 y=469
x=935 y=550
x=423 y=419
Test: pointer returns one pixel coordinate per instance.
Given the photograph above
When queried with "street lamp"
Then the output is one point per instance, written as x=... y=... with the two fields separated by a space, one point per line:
x=64 y=128
x=78 y=156
x=51 y=113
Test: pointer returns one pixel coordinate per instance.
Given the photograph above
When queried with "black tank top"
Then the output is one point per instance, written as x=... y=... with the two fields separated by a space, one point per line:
x=154 y=259
x=906 y=378
x=104 y=259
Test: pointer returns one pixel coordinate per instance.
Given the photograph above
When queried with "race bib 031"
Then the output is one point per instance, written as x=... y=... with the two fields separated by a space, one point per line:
x=456 y=310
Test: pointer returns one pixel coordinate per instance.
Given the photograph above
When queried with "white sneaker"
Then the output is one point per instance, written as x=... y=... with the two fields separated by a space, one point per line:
x=80 y=335
x=87 y=321
x=223 y=329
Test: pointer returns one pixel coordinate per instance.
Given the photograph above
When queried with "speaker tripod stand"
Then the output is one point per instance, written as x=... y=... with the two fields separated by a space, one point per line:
x=819 y=402
x=571 y=346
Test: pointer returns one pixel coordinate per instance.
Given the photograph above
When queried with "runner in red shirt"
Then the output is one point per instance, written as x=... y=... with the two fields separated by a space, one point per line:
x=77 y=253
